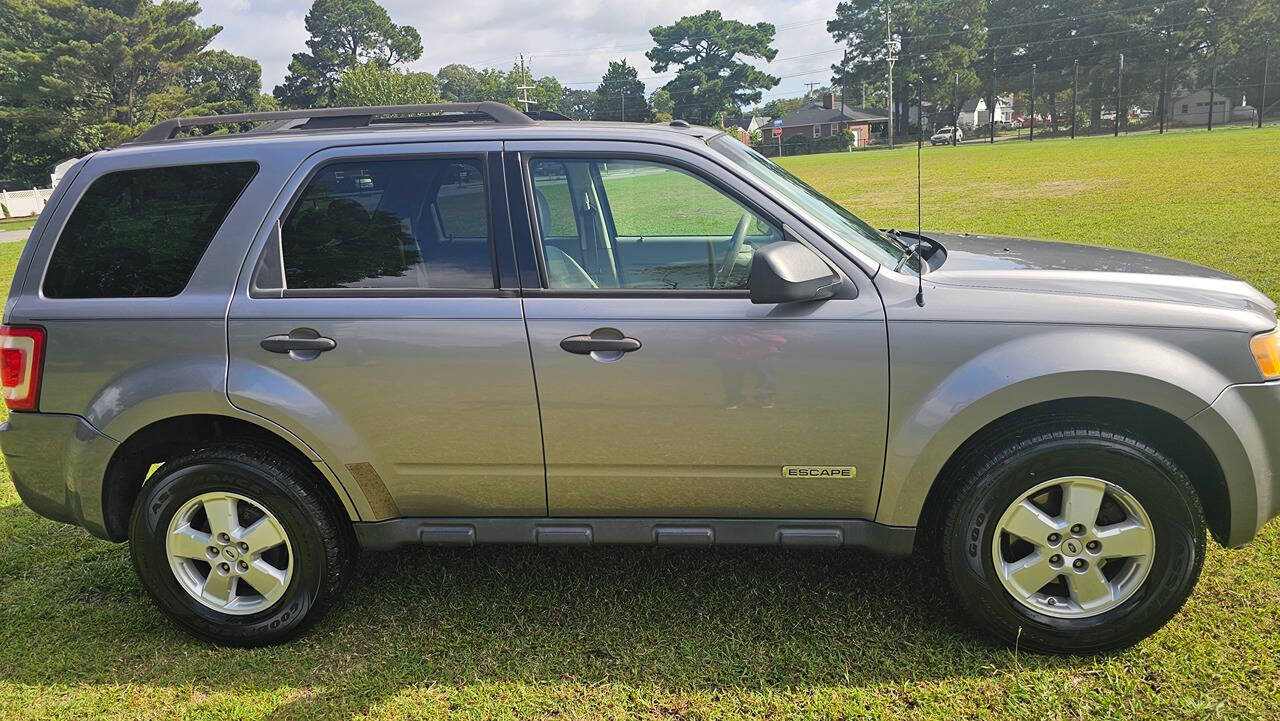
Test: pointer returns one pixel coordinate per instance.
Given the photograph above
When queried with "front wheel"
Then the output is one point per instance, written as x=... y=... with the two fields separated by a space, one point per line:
x=1073 y=539
x=238 y=545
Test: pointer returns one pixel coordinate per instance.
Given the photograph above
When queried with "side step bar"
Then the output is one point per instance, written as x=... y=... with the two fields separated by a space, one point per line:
x=869 y=535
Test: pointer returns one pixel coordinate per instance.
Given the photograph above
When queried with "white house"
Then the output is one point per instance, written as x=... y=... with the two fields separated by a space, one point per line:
x=60 y=170
x=1192 y=107
x=974 y=112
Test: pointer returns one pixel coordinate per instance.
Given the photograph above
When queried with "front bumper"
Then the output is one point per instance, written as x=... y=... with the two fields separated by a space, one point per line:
x=1242 y=428
x=57 y=463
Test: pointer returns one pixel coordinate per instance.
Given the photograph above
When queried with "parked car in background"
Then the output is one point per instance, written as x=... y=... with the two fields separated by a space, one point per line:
x=947 y=135
x=252 y=355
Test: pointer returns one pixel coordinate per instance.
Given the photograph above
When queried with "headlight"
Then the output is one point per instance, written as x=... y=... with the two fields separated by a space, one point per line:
x=1266 y=351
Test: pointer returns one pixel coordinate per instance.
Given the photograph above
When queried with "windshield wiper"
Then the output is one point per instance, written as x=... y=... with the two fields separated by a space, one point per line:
x=912 y=251
x=893 y=233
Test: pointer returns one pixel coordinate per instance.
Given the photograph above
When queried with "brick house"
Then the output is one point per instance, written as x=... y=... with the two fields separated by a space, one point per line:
x=826 y=119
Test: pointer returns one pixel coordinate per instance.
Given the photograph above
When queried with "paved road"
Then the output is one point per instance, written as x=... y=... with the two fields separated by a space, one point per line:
x=13 y=236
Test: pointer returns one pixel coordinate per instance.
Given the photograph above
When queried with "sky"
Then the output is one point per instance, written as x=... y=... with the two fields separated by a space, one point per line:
x=574 y=40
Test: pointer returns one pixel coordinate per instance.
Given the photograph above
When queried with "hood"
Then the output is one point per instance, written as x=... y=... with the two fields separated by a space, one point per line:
x=1069 y=268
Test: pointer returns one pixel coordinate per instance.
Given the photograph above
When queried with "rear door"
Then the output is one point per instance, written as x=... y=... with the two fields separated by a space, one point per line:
x=379 y=320
x=664 y=391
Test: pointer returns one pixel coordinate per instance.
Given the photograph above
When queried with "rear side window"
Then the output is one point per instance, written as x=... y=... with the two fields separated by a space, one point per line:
x=141 y=233
x=417 y=223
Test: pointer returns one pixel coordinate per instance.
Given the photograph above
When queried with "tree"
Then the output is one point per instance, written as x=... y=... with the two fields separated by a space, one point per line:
x=372 y=84
x=80 y=76
x=662 y=104
x=465 y=84
x=223 y=82
x=779 y=107
x=578 y=104
x=621 y=95
x=711 y=78
x=548 y=93
x=939 y=38
x=344 y=33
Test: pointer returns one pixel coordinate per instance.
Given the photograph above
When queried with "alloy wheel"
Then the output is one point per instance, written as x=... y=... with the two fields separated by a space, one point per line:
x=1073 y=547
x=229 y=553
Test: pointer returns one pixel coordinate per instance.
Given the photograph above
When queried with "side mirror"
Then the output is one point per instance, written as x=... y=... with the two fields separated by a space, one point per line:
x=788 y=272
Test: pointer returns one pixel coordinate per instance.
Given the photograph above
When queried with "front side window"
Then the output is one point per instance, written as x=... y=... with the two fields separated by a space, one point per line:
x=141 y=233
x=637 y=224
x=417 y=223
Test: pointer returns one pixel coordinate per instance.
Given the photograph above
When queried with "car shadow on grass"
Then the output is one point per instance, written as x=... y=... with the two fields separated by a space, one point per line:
x=650 y=618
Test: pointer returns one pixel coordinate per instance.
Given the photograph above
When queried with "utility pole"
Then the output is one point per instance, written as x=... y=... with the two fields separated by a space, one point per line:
x=955 y=110
x=991 y=109
x=1164 y=90
x=524 y=87
x=864 y=93
x=809 y=88
x=1119 y=97
x=1213 y=83
x=891 y=47
x=1075 y=85
x=1032 y=135
x=1266 y=66
x=1213 y=76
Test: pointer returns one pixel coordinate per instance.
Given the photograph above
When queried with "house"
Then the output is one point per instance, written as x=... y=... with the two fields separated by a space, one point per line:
x=974 y=112
x=60 y=170
x=825 y=118
x=926 y=108
x=1192 y=107
x=747 y=125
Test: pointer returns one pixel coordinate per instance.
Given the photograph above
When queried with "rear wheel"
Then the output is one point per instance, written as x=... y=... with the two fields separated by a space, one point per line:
x=1073 y=539
x=238 y=546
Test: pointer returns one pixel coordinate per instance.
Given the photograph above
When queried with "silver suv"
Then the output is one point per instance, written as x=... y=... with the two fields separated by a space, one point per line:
x=253 y=354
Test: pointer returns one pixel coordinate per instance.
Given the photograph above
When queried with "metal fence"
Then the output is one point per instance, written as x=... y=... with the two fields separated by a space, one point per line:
x=1109 y=91
x=1115 y=96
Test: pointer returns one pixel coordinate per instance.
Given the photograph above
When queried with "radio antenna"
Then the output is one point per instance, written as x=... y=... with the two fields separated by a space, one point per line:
x=919 y=197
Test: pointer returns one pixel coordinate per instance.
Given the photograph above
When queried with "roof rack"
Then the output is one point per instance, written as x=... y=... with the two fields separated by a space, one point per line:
x=341 y=117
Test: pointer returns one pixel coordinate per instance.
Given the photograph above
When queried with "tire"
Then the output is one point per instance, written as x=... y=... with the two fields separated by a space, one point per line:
x=1072 y=613
x=309 y=545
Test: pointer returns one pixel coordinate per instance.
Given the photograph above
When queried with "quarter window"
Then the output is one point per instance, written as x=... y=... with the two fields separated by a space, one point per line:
x=420 y=223
x=141 y=233
x=623 y=223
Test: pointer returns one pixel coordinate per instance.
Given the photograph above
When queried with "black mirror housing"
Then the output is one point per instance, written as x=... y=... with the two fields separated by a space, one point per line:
x=789 y=272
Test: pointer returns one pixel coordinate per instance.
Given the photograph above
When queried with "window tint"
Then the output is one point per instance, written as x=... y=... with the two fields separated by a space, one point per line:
x=621 y=223
x=141 y=233
x=414 y=223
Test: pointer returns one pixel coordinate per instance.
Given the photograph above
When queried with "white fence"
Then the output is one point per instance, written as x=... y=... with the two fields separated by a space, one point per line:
x=22 y=203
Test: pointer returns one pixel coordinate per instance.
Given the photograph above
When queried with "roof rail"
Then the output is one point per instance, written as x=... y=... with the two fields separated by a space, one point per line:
x=340 y=117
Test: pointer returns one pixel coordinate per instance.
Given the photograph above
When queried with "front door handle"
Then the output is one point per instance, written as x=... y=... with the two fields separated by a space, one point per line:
x=586 y=345
x=303 y=341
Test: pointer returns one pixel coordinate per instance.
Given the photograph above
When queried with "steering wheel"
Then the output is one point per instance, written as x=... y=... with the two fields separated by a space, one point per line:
x=735 y=245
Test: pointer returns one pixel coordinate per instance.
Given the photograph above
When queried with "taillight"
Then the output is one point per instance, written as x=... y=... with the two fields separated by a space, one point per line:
x=21 y=358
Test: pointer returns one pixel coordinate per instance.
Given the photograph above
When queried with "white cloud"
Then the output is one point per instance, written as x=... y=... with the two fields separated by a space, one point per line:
x=573 y=40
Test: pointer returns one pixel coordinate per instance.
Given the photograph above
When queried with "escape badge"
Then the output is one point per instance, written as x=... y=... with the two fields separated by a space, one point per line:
x=819 y=472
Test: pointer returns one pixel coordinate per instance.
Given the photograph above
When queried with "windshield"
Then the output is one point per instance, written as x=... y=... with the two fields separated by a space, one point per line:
x=841 y=224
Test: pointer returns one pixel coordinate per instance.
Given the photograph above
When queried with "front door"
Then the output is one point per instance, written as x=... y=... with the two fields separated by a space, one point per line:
x=664 y=391
x=382 y=326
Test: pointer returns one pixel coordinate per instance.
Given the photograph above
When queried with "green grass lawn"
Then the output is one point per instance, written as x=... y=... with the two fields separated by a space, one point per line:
x=1212 y=198
x=726 y=633
x=16 y=223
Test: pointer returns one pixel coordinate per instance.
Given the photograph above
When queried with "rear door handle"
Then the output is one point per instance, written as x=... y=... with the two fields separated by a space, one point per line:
x=291 y=343
x=586 y=345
